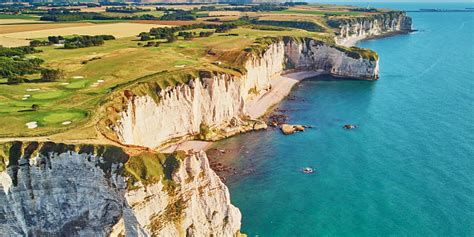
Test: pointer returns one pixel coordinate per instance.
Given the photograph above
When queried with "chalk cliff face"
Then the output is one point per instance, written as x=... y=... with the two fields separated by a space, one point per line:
x=219 y=102
x=355 y=29
x=199 y=205
x=316 y=56
x=216 y=102
x=64 y=192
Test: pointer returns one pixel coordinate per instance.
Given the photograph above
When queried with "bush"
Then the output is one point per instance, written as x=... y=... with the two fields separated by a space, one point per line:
x=171 y=38
x=186 y=35
x=205 y=33
x=56 y=39
x=35 y=107
x=144 y=36
x=304 y=25
x=14 y=80
x=48 y=75
x=37 y=43
x=152 y=43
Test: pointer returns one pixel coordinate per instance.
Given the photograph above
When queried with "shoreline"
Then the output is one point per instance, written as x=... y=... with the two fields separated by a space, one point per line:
x=351 y=42
x=257 y=107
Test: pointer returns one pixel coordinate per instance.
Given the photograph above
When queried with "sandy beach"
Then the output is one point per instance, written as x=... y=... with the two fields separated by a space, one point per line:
x=257 y=107
x=280 y=88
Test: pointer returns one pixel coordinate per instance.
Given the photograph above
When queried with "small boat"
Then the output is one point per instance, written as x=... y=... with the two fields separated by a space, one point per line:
x=349 y=126
x=308 y=170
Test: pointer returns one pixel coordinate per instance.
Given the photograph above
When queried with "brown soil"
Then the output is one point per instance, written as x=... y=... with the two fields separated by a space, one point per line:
x=174 y=23
x=34 y=27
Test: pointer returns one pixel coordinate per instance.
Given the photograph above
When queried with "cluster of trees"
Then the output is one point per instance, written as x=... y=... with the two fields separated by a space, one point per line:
x=304 y=25
x=187 y=35
x=14 y=65
x=363 y=9
x=205 y=33
x=126 y=9
x=83 y=16
x=74 y=42
x=208 y=8
x=225 y=27
x=38 y=43
x=48 y=75
x=74 y=16
x=84 y=41
x=178 y=15
x=292 y=4
x=257 y=8
x=168 y=33
x=190 y=35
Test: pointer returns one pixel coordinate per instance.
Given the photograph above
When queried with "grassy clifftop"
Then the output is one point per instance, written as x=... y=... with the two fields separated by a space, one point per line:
x=71 y=107
x=138 y=166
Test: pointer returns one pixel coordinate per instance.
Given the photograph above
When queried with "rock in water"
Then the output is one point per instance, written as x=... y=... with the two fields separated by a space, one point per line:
x=290 y=129
x=299 y=128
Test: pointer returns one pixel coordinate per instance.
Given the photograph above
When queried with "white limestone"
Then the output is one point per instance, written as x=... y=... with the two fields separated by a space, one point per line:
x=217 y=101
x=68 y=194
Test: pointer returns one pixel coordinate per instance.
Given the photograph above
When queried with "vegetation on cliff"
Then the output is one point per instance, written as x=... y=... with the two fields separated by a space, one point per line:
x=140 y=167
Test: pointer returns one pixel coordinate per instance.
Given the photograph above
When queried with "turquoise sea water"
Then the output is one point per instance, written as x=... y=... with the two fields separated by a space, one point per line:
x=408 y=170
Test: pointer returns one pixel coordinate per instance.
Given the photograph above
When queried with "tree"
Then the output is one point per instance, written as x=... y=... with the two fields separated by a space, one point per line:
x=14 y=80
x=145 y=37
x=35 y=107
x=51 y=74
x=171 y=38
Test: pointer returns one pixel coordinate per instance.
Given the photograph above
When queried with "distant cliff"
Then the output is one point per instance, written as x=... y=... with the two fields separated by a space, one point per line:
x=49 y=189
x=350 y=30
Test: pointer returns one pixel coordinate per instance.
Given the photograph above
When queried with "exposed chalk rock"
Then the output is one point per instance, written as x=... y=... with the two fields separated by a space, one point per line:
x=353 y=30
x=215 y=102
x=82 y=194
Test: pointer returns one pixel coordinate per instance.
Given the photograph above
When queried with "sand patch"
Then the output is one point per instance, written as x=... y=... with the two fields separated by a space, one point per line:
x=119 y=30
x=32 y=124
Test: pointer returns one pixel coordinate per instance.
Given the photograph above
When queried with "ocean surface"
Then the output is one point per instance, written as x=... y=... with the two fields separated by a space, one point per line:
x=408 y=170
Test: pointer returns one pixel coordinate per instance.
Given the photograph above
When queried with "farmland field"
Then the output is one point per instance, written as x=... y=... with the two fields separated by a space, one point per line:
x=20 y=37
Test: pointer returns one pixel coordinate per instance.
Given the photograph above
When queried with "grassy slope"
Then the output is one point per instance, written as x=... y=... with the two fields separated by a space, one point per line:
x=18 y=16
x=139 y=165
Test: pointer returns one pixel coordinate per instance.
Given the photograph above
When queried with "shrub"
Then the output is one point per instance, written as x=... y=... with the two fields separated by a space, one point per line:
x=48 y=75
x=37 y=43
x=205 y=33
x=171 y=38
x=35 y=107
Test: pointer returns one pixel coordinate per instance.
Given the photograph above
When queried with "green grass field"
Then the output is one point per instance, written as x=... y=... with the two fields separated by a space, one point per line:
x=320 y=13
x=19 y=16
x=68 y=106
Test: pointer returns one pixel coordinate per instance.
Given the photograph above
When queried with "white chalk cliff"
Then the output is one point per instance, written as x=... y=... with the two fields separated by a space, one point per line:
x=355 y=29
x=221 y=100
x=82 y=194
